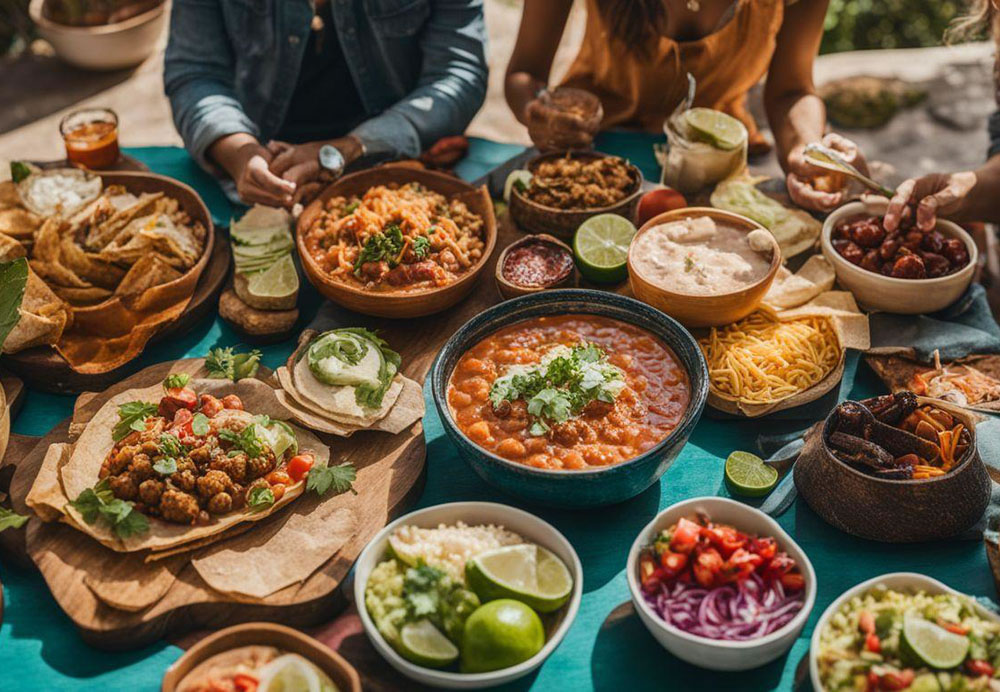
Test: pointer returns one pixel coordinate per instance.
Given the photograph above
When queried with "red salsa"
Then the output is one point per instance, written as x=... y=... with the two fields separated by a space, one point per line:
x=537 y=263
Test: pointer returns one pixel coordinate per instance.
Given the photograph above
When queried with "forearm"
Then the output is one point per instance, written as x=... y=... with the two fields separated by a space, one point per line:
x=538 y=36
x=520 y=88
x=225 y=152
x=796 y=118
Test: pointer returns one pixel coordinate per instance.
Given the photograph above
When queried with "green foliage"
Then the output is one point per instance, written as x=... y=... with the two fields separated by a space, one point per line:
x=872 y=24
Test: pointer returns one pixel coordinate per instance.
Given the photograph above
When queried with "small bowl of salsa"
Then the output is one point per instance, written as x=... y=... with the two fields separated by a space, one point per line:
x=534 y=264
x=91 y=137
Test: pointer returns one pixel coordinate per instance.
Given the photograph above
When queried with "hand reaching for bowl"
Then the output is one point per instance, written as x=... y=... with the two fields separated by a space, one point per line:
x=933 y=195
x=818 y=189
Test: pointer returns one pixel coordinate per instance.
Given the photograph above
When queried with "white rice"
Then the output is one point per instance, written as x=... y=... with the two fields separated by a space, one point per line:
x=449 y=547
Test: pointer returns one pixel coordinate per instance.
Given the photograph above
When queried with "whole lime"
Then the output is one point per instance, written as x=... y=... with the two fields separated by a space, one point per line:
x=500 y=634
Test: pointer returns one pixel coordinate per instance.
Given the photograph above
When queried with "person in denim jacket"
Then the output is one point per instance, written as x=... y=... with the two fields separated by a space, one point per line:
x=257 y=87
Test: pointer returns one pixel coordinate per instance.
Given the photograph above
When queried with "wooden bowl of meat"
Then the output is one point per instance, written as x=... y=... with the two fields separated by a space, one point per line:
x=568 y=188
x=397 y=241
x=896 y=468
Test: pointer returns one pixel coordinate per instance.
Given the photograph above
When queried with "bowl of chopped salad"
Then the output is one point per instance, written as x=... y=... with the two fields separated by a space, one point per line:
x=467 y=595
x=905 y=631
x=720 y=584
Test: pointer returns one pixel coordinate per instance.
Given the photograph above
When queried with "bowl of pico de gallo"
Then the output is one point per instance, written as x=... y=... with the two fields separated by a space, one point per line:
x=720 y=584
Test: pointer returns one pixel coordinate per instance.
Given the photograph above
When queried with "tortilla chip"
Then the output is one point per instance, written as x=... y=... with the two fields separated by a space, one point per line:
x=100 y=234
x=48 y=239
x=19 y=223
x=261 y=563
x=46 y=497
x=87 y=266
x=89 y=295
x=127 y=583
x=8 y=195
x=93 y=445
x=10 y=249
x=791 y=290
x=151 y=270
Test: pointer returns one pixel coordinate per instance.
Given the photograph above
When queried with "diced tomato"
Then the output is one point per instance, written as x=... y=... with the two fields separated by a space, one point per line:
x=866 y=622
x=685 y=536
x=741 y=565
x=278 y=477
x=872 y=643
x=896 y=681
x=872 y=681
x=647 y=568
x=299 y=465
x=767 y=547
x=953 y=627
x=175 y=399
x=979 y=667
x=209 y=405
x=793 y=581
x=727 y=539
x=231 y=401
x=245 y=683
x=707 y=566
x=780 y=564
x=182 y=422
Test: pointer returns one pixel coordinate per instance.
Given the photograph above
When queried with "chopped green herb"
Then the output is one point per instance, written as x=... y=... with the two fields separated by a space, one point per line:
x=176 y=381
x=246 y=441
x=132 y=416
x=520 y=186
x=422 y=245
x=349 y=209
x=199 y=424
x=9 y=519
x=260 y=498
x=170 y=445
x=165 y=466
x=100 y=502
x=226 y=364
x=19 y=170
x=385 y=246
x=341 y=478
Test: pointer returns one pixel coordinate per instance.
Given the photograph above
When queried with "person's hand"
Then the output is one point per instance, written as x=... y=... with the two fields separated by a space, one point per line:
x=935 y=194
x=299 y=164
x=563 y=119
x=246 y=161
x=805 y=181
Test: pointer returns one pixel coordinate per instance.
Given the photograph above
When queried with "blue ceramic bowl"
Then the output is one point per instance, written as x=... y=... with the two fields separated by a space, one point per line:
x=586 y=488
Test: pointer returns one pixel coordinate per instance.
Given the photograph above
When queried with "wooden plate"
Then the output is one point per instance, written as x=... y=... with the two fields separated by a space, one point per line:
x=390 y=477
x=44 y=369
x=264 y=634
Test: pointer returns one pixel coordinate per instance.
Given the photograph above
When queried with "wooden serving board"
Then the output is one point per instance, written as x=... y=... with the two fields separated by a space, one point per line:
x=390 y=477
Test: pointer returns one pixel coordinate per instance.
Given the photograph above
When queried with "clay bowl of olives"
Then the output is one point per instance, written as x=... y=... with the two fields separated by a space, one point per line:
x=909 y=271
x=871 y=470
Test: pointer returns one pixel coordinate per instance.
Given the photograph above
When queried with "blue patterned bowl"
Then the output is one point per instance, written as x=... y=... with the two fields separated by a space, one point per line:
x=586 y=488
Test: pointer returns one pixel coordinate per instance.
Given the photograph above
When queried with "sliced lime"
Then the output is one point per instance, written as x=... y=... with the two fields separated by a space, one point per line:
x=748 y=475
x=933 y=644
x=601 y=247
x=422 y=643
x=289 y=673
x=519 y=177
x=527 y=573
x=716 y=128
x=279 y=280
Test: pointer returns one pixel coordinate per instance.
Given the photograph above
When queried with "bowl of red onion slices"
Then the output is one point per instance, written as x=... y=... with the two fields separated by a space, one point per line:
x=720 y=584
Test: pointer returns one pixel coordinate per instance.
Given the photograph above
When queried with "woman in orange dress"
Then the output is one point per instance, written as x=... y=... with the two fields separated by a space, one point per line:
x=636 y=55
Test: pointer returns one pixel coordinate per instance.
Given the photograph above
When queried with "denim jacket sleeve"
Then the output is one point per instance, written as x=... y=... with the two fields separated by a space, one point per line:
x=198 y=77
x=451 y=88
x=995 y=134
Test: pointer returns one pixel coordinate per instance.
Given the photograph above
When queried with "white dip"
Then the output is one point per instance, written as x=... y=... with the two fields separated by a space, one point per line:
x=698 y=256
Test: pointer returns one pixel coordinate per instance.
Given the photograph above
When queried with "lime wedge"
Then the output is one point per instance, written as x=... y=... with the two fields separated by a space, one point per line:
x=513 y=178
x=422 y=643
x=932 y=644
x=716 y=128
x=527 y=573
x=289 y=673
x=601 y=247
x=748 y=475
x=277 y=281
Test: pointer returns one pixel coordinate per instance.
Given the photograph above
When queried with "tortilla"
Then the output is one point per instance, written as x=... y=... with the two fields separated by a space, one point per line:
x=46 y=497
x=408 y=409
x=151 y=270
x=43 y=317
x=8 y=195
x=89 y=451
x=125 y=208
x=127 y=583
x=19 y=223
x=897 y=372
x=790 y=290
x=10 y=249
x=87 y=266
x=261 y=563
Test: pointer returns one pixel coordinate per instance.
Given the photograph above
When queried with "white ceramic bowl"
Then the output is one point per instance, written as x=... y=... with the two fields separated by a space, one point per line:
x=710 y=653
x=106 y=47
x=528 y=526
x=885 y=293
x=899 y=581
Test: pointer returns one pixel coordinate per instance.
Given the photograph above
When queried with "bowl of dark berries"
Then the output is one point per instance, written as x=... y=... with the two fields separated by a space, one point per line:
x=908 y=271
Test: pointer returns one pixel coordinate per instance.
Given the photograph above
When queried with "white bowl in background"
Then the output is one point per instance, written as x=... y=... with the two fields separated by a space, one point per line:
x=529 y=527
x=898 y=581
x=888 y=294
x=715 y=654
x=107 y=46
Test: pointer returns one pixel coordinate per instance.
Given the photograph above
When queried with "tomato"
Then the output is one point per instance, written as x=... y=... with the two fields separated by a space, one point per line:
x=872 y=643
x=741 y=565
x=727 y=539
x=707 y=565
x=896 y=681
x=793 y=581
x=231 y=401
x=978 y=667
x=953 y=627
x=209 y=405
x=298 y=466
x=176 y=399
x=779 y=565
x=765 y=547
x=656 y=202
x=245 y=683
x=647 y=570
x=872 y=681
x=673 y=563
x=866 y=622
x=278 y=477
x=182 y=422
x=685 y=536
x=278 y=489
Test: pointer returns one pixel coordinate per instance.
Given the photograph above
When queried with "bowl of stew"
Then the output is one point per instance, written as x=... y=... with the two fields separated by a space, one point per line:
x=570 y=398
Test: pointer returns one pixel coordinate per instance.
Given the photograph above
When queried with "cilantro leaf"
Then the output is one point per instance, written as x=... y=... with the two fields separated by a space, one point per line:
x=176 y=380
x=227 y=364
x=131 y=523
x=9 y=519
x=166 y=466
x=132 y=416
x=260 y=499
x=341 y=478
x=421 y=246
x=99 y=502
x=170 y=445
x=199 y=424
x=19 y=170
x=386 y=246
x=245 y=441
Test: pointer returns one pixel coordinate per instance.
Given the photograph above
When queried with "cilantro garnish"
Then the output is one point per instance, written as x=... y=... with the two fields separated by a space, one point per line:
x=422 y=245
x=260 y=498
x=100 y=502
x=132 y=416
x=245 y=441
x=387 y=246
x=176 y=380
x=226 y=364
x=199 y=424
x=9 y=519
x=170 y=445
x=349 y=209
x=341 y=478
x=165 y=466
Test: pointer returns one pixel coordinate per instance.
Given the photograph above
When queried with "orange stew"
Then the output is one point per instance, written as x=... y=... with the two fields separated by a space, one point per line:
x=647 y=408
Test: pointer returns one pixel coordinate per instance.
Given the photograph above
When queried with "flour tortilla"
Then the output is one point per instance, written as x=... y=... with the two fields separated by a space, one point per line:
x=90 y=450
x=325 y=404
x=409 y=408
x=127 y=583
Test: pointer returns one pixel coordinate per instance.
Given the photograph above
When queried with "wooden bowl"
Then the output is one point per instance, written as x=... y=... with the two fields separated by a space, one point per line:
x=264 y=634
x=398 y=304
x=532 y=217
x=702 y=311
x=509 y=290
x=893 y=511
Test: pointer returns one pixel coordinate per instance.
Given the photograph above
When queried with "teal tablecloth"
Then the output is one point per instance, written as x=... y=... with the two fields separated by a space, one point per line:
x=606 y=648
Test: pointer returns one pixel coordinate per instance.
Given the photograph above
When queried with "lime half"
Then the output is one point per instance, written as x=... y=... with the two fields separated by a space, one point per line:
x=747 y=474
x=278 y=281
x=720 y=130
x=289 y=673
x=933 y=644
x=601 y=247
x=422 y=643
x=519 y=177
x=527 y=573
